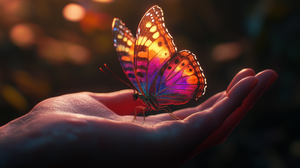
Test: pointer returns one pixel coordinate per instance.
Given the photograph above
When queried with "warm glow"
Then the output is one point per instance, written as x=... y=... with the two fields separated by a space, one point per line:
x=14 y=11
x=73 y=12
x=29 y=85
x=22 y=35
x=13 y=97
x=227 y=51
x=103 y=1
x=57 y=51
x=78 y=54
x=95 y=21
x=51 y=50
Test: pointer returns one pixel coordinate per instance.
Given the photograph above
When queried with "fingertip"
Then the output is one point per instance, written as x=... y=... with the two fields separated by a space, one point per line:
x=239 y=76
x=269 y=75
x=248 y=71
x=243 y=88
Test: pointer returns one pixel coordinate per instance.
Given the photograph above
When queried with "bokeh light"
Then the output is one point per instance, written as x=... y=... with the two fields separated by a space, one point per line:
x=95 y=21
x=14 y=97
x=77 y=54
x=58 y=51
x=22 y=35
x=226 y=51
x=30 y=85
x=50 y=49
x=73 y=12
x=14 y=10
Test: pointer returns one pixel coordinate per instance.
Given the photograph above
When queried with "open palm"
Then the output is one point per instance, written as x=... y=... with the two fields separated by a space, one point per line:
x=95 y=129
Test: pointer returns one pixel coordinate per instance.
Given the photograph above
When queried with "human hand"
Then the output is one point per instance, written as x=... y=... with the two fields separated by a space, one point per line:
x=95 y=129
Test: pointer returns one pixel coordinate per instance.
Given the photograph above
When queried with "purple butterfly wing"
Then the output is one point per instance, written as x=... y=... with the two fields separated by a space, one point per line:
x=154 y=46
x=124 y=43
x=180 y=80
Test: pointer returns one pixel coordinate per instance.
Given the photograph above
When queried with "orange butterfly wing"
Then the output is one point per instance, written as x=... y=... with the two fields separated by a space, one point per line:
x=154 y=46
x=124 y=43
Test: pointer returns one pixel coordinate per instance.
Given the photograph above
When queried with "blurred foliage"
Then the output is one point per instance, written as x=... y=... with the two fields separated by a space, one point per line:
x=45 y=54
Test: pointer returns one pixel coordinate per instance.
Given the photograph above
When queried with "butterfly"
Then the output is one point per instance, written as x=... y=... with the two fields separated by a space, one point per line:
x=160 y=75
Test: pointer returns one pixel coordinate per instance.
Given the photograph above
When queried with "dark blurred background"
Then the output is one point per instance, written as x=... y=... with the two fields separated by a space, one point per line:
x=52 y=47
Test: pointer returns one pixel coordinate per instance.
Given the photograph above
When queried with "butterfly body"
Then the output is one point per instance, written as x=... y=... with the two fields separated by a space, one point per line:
x=149 y=101
x=159 y=74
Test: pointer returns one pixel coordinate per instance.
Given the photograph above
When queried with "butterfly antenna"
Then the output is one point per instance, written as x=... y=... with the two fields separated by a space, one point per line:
x=115 y=76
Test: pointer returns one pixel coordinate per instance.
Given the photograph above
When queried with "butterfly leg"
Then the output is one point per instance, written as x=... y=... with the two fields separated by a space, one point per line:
x=167 y=109
x=144 y=116
x=134 y=118
x=135 y=113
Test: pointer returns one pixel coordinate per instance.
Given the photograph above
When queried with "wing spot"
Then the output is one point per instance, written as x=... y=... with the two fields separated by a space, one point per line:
x=153 y=29
x=148 y=43
x=120 y=48
x=142 y=54
x=148 y=24
x=155 y=35
x=129 y=42
x=125 y=58
x=120 y=36
x=192 y=80
x=182 y=64
x=169 y=67
x=140 y=74
x=176 y=61
x=159 y=44
x=130 y=75
x=143 y=41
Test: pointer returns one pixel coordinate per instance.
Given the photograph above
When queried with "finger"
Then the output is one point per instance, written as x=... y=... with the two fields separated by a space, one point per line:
x=208 y=103
x=211 y=101
x=240 y=75
x=265 y=78
x=121 y=102
x=203 y=124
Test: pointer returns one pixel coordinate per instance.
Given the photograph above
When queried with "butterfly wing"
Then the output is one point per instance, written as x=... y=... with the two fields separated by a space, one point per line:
x=154 y=46
x=151 y=62
x=180 y=80
x=124 y=43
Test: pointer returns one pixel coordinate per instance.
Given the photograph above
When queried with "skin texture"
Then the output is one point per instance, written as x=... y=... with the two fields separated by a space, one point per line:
x=95 y=130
